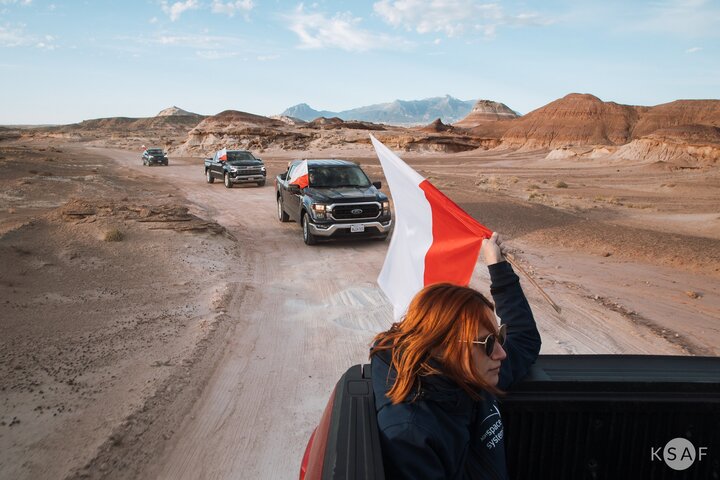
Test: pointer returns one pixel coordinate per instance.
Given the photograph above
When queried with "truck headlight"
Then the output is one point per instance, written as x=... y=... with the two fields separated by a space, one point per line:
x=319 y=210
x=386 y=208
x=262 y=169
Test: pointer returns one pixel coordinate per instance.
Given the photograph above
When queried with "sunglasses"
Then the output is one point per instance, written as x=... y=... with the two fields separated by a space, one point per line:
x=493 y=338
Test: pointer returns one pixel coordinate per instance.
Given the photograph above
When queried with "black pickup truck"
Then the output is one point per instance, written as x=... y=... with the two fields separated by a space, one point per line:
x=339 y=201
x=154 y=156
x=235 y=166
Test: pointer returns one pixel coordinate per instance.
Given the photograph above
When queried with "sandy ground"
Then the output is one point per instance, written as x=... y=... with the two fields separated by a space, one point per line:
x=205 y=343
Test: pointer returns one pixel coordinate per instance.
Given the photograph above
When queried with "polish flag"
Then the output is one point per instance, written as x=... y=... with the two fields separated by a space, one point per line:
x=300 y=175
x=433 y=241
x=222 y=155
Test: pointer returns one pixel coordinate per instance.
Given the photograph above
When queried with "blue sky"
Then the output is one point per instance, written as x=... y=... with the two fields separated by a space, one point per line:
x=63 y=62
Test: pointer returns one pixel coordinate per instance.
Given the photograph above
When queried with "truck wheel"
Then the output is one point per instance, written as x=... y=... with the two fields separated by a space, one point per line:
x=282 y=216
x=228 y=183
x=208 y=176
x=308 y=237
x=261 y=183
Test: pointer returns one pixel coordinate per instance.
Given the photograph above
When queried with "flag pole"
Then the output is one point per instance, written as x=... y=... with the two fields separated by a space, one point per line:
x=517 y=266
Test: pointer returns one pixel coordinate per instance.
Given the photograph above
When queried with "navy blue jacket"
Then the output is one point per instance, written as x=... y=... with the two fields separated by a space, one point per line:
x=440 y=432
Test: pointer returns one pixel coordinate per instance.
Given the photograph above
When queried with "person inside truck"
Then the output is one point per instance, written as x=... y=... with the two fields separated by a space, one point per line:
x=437 y=374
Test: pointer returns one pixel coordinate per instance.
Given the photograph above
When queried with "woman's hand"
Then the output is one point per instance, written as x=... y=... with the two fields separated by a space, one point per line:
x=492 y=250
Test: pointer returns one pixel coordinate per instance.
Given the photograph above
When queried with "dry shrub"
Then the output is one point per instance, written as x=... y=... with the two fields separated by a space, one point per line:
x=533 y=186
x=561 y=184
x=114 y=235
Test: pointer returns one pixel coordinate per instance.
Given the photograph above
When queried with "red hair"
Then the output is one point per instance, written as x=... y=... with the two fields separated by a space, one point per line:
x=440 y=323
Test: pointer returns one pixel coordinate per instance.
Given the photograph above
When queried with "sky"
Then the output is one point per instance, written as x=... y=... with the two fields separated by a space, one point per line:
x=68 y=61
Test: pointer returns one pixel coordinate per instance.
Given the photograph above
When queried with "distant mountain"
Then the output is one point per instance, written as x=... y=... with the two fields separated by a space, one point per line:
x=176 y=112
x=400 y=112
x=303 y=111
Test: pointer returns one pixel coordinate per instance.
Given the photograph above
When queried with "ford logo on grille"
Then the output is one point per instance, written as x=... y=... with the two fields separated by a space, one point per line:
x=356 y=211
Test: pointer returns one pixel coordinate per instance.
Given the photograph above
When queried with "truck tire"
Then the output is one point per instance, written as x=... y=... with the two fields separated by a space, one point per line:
x=308 y=237
x=226 y=178
x=208 y=176
x=282 y=216
x=261 y=183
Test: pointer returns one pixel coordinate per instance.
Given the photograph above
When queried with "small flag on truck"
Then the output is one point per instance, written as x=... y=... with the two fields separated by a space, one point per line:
x=300 y=175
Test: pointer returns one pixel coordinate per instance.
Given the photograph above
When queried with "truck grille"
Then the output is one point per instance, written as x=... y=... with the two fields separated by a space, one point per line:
x=354 y=211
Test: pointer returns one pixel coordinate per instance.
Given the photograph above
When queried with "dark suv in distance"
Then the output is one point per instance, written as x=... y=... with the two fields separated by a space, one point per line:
x=154 y=156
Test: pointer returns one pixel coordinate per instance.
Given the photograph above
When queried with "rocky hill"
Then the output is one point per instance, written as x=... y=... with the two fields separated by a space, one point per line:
x=164 y=130
x=486 y=111
x=684 y=146
x=682 y=132
x=176 y=111
x=574 y=119
x=233 y=129
x=678 y=113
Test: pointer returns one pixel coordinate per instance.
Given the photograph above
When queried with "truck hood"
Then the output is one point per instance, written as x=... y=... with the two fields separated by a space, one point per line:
x=345 y=194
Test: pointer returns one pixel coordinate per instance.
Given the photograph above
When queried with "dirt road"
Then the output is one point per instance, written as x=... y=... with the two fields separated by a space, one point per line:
x=253 y=328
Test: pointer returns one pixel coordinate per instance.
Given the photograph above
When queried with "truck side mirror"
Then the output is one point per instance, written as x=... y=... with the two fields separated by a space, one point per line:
x=294 y=188
x=377 y=185
x=283 y=176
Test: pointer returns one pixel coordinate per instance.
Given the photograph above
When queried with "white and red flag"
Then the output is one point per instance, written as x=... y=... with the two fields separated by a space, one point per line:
x=222 y=155
x=434 y=240
x=300 y=175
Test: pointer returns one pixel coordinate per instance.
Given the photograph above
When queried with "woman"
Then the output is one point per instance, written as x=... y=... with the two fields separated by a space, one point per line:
x=436 y=374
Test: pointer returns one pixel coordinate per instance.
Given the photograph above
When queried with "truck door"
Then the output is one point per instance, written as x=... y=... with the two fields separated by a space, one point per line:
x=216 y=166
x=292 y=201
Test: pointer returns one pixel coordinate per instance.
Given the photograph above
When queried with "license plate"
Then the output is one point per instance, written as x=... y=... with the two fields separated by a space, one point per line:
x=357 y=228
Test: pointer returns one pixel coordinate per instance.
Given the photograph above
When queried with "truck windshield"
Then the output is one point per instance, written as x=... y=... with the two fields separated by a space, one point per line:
x=240 y=156
x=155 y=151
x=333 y=177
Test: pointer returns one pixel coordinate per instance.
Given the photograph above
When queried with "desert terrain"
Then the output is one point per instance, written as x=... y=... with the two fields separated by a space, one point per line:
x=156 y=326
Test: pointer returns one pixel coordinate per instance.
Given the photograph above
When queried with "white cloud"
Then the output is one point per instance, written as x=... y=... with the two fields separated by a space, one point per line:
x=153 y=20
x=16 y=37
x=24 y=3
x=176 y=9
x=230 y=8
x=693 y=50
x=267 y=58
x=451 y=17
x=317 y=31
